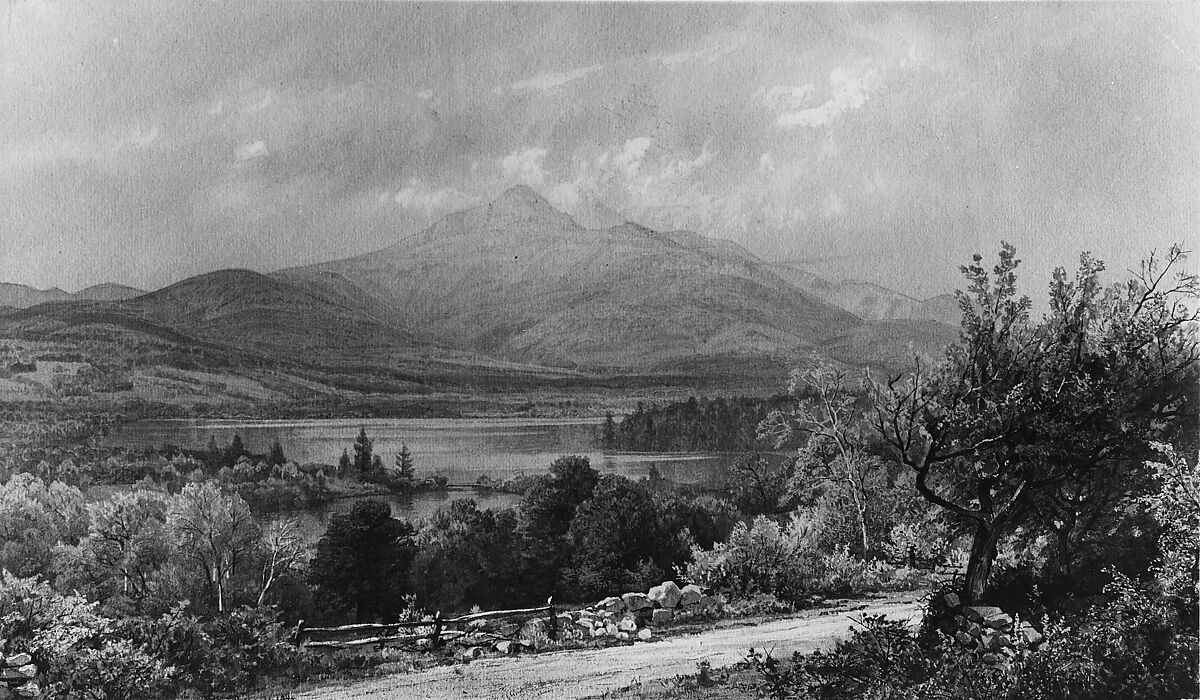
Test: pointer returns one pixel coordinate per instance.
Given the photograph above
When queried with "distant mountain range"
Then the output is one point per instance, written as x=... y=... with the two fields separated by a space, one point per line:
x=513 y=288
x=19 y=296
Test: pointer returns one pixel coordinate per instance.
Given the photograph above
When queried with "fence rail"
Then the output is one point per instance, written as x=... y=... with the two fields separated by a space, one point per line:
x=382 y=634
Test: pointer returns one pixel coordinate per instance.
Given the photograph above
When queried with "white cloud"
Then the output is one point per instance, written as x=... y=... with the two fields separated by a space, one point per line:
x=629 y=160
x=849 y=89
x=543 y=82
x=709 y=54
x=419 y=196
x=252 y=150
x=525 y=166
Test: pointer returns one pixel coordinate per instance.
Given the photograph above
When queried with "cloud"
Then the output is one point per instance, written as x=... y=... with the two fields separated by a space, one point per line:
x=709 y=54
x=786 y=97
x=419 y=196
x=525 y=166
x=543 y=82
x=252 y=150
x=849 y=89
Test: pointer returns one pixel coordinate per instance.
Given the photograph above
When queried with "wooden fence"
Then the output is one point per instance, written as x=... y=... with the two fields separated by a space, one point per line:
x=382 y=634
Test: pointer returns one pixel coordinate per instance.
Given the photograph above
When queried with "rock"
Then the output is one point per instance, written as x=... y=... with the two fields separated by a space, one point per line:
x=29 y=670
x=623 y=636
x=973 y=628
x=667 y=595
x=645 y=634
x=29 y=690
x=979 y=613
x=996 y=641
x=951 y=600
x=690 y=594
x=507 y=647
x=992 y=659
x=964 y=639
x=662 y=616
x=8 y=675
x=636 y=601
x=424 y=643
x=612 y=605
x=1002 y=621
x=610 y=628
x=18 y=659
x=627 y=624
x=472 y=653
x=1030 y=635
x=599 y=632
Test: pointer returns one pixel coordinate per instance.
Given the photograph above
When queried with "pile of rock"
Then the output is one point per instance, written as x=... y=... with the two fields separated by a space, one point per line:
x=17 y=672
x=631 y=615
x=986 y=629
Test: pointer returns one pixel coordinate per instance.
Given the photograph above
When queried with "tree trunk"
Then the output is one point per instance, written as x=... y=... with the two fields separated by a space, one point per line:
x=979 y=566
x=862 y=517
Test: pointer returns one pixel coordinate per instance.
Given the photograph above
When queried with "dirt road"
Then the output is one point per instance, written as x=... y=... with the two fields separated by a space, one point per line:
x=592 y=672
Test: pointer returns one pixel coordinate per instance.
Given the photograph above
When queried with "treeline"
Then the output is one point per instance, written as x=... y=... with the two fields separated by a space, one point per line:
x=696 y=425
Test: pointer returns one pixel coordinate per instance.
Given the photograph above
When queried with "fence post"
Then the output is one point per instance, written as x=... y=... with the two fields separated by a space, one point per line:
x=297 y=633
x=436 y=637
x=552 y=628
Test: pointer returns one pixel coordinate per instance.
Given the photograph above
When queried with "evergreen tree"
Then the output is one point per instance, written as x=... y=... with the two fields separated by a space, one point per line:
x=344 y=464
x=609 y=431
x=404 y=464
x=362 y=453
x=212 y=453
x=376 y=465
x=276 y=457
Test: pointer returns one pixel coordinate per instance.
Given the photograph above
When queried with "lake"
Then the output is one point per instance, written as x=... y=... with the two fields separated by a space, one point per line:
x=461 y=449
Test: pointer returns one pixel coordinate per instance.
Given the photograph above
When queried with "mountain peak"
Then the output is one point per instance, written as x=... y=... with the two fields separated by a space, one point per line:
x=525 y=203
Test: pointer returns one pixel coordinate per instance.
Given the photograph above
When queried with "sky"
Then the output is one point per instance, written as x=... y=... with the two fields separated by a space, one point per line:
x=142 y=142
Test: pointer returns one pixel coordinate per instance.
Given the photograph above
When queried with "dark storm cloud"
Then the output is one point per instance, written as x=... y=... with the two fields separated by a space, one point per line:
x=144 y=141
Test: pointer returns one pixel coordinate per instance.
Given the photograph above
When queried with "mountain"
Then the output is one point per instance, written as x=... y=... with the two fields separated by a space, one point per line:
x=870 y=301
x=511 y=296
x=521 y=280
x=19 y=296
x=108 y=292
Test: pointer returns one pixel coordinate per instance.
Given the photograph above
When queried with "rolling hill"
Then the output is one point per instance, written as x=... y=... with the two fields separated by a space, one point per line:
x=20 y=296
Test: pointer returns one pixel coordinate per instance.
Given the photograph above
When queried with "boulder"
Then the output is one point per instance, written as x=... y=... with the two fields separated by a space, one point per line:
x=612 y=604
x=1002 y=621
x=599 y=632
x=10 y=675
x=979 y=613
x=507 y=647
x=951 y=600
x=662 y=616
x=666 y=595
x=1030 y=635
x=18 y=659
x=29 y=670
x=645 y=634
x=472 y=653
x=623 y=636
x=690 y=594
x=993 y=659
x=424 y=643
x=627 y=624
x=29 y=690
x=636 y=601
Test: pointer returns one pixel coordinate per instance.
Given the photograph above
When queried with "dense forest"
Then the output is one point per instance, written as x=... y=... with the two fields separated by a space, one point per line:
x=697 y=425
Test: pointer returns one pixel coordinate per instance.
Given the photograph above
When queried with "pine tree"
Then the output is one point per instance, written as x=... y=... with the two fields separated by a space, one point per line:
x=344 y=464
x=404 y=464
x=276 y=457
x=212 y=453
x=362 y=453
x=609 y=433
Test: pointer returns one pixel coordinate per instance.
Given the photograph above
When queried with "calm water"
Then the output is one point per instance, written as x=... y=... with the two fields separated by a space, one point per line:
x=461 y=449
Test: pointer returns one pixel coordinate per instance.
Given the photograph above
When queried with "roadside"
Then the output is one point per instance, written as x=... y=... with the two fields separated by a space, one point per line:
x=588 y=673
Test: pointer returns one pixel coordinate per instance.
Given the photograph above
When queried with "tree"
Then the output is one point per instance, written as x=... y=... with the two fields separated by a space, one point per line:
x=236 y=449
x=546 y=513
x=405 y=467
x=612 y=533
x=34 y=518
x=469 y=556
x=126 y=548
x=1019 y=409
x=608 y=431
x=284 y=551
x=363 y=560
x=836 y=449
x=362 y=453
x=212 y=455
x=216 y=532
x=275 y=458
x=344 y=464
x=759 y=485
